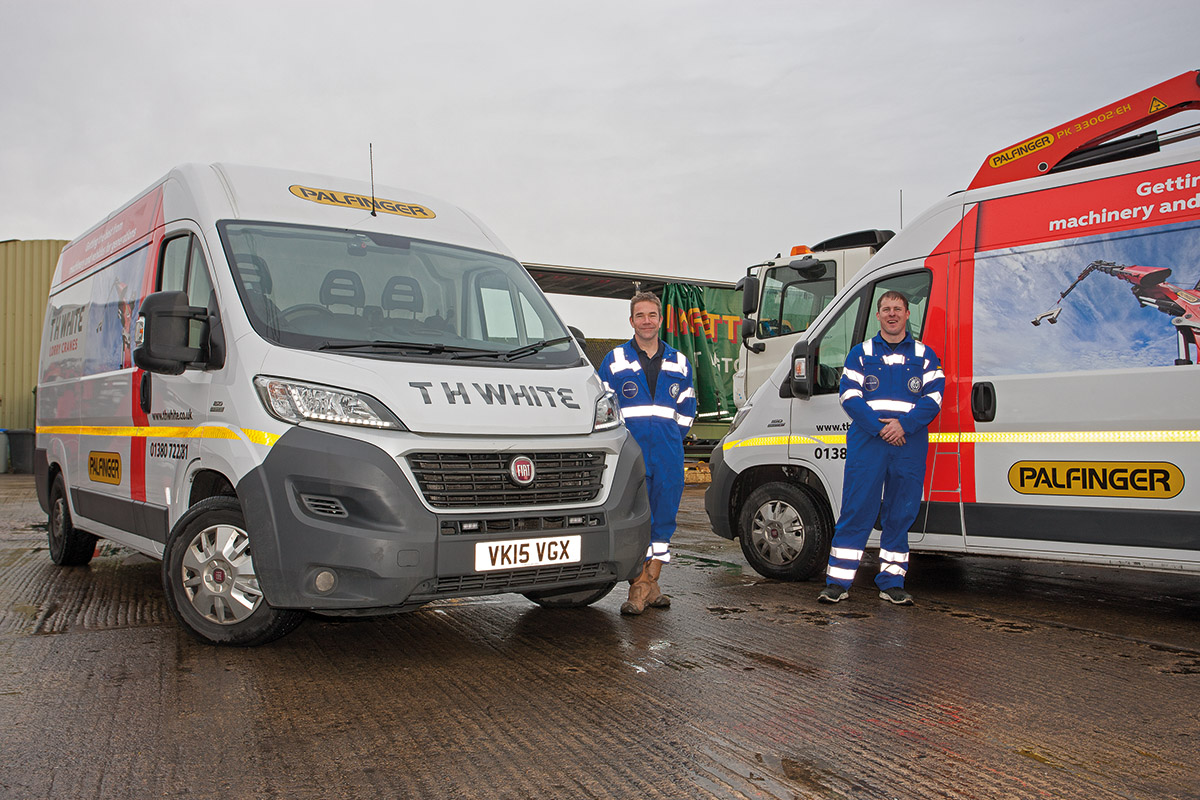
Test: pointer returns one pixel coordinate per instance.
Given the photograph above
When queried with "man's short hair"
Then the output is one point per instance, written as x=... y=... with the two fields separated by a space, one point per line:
x=894 y=295
x=645 y=297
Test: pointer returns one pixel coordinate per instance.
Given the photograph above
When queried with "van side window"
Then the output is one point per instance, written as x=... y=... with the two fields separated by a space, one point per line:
x=847 y=330
x=834 y=345
x=182 y=268
x=915 y=286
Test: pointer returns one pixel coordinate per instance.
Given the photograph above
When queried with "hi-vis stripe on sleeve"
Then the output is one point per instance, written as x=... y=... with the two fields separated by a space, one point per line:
x=161 y=432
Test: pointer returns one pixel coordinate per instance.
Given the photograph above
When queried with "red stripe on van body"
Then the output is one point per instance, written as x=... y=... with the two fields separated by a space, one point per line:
x=948 y=332
x=137 y=444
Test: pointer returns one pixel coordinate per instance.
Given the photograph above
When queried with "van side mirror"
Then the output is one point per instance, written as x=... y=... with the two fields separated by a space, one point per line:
x=748 y=329
x=579 y=337
x=804 y=370
x=164 y=330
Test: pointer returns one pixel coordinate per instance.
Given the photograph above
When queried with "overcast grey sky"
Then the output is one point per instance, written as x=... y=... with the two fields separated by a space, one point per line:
x=687 y=138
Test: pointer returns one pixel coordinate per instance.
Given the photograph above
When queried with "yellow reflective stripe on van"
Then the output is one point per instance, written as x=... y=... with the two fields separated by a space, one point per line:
x=1012 y=437
x=770 y=441
x=160 y=432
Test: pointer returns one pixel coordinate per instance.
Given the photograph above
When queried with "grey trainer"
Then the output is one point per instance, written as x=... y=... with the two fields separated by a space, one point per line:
x=896 y=595
x=832 y=593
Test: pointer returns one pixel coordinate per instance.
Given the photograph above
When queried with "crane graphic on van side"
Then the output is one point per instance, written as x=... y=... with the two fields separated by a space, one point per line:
x=1151 y=289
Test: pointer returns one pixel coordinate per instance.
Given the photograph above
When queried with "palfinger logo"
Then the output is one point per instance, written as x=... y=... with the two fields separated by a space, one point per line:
x=358 y=202
x=1021 y=150
x=104 y=467
x=1142 y=479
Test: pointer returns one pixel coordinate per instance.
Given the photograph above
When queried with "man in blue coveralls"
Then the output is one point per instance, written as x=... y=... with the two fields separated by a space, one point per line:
x=892 y=389
x=652 y=382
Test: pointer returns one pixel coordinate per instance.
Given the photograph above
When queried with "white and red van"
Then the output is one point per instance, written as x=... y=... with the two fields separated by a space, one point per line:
x=1060 y=291
x=310 y=393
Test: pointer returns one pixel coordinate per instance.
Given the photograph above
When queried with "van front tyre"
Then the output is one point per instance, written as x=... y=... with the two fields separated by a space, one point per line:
x=210 y=582
x=782 y=532
x=68 y=547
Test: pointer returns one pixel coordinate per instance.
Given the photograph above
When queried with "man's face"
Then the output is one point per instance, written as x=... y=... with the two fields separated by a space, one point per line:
x=893 y=319
x=646 y=320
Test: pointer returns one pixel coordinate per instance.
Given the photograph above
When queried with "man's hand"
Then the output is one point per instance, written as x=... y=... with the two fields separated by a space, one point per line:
x=892 y=433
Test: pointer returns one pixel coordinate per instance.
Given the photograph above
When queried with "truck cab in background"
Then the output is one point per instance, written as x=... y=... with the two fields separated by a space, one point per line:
x=782 y=296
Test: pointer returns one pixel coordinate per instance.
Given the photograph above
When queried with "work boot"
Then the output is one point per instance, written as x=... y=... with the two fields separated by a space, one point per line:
x=639 y=593
x=656 y=598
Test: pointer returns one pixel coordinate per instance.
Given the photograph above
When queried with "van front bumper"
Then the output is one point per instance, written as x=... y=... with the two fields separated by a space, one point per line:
x=716 y=496
x=335 y=525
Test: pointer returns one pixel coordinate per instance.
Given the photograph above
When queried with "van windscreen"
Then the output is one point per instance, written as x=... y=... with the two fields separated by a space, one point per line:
x=387 y=296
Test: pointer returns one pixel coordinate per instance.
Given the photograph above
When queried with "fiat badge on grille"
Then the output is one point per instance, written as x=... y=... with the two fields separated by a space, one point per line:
x=520 y=469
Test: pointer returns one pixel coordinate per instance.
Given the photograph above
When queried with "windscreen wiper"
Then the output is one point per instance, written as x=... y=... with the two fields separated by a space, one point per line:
x=533 y=347
x=516 y=352
x=425 y=347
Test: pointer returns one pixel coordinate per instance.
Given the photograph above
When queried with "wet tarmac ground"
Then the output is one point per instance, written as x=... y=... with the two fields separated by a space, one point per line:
x=1007 y=680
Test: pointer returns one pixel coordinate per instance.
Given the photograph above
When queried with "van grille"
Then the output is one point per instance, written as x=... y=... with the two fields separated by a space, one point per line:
x=473 y=480
x=515 y=580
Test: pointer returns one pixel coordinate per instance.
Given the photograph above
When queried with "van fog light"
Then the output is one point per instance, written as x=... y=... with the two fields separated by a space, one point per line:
x=325 y=581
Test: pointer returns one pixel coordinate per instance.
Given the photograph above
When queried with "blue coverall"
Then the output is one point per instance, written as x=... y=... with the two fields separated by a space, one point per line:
x=658 y=424
x=903 y=382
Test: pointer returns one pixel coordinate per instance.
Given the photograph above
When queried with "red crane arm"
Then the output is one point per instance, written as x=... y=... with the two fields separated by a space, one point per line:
x=1040 y=154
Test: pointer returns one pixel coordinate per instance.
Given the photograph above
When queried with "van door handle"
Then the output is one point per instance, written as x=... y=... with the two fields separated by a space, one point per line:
x=144 y=393
x=983 y=402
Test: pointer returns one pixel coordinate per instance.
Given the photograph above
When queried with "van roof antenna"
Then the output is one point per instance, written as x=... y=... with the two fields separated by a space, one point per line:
x=371 y=153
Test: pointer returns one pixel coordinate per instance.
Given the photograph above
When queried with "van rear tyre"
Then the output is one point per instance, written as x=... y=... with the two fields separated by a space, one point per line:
x=210 y=582
x=69 y=547
x=782 y=532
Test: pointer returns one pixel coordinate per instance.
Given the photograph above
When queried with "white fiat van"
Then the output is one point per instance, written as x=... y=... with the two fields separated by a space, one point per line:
x=309 y=393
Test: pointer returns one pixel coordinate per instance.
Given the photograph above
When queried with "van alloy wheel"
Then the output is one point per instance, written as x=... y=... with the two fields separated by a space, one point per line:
x=777 y=533
x=218 y=575
x=211 y=584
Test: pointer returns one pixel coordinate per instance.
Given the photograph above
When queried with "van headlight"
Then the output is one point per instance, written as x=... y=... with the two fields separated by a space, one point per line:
x=739 y=416
x=296 y=402
x=608 y=413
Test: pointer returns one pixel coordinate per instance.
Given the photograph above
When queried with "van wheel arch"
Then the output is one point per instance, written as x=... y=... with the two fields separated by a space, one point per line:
x=209 y=483
x=749 y=480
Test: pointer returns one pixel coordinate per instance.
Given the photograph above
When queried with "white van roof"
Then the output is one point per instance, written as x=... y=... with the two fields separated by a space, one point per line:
x=259 y=193
x=209 y=193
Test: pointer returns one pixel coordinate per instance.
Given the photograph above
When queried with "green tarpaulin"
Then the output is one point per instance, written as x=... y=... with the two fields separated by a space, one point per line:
x=703 y=324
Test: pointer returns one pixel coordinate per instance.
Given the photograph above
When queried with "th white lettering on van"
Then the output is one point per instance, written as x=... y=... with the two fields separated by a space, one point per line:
x=499 y=394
